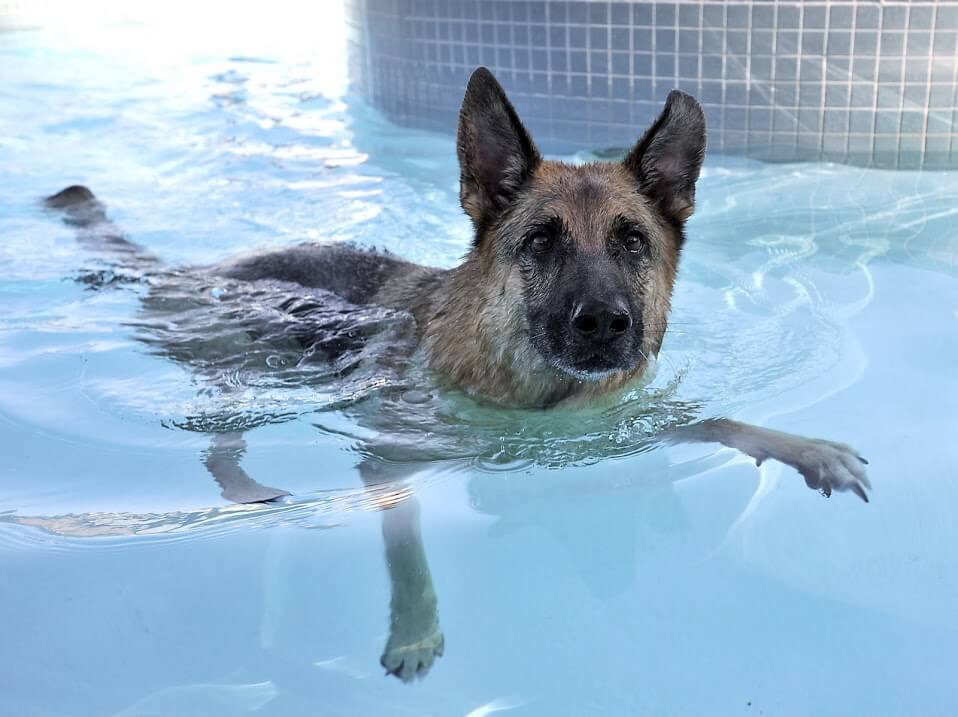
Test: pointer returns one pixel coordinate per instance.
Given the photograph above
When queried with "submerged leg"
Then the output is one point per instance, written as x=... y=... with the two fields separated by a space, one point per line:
x=415 y=639
x=825 y=466
x=222 y=460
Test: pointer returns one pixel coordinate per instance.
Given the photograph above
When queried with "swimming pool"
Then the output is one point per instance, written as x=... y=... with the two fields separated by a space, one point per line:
x=574 y=574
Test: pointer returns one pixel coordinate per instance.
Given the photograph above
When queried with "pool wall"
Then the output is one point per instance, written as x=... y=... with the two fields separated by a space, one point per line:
x=861 y=82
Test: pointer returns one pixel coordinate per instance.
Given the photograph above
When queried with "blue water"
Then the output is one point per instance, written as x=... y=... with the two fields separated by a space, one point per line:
x=574 y=574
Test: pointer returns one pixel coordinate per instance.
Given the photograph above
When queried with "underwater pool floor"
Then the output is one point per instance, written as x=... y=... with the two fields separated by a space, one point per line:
x=574 y=574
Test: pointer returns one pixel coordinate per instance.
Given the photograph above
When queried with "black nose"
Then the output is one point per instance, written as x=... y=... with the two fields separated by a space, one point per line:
x=600 y=321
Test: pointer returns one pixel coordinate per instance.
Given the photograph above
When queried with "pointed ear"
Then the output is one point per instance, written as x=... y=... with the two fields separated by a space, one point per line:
x=666 y=161
x=496 y=154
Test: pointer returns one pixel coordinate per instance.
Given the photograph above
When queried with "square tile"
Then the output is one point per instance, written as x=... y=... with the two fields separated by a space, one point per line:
x=867 y=16
x=860 y=147
x=713 y=42
x=836 y=95
x=578 y=61
x=642 y=90
x=945 y=43
x=712 y=68
x=665 y=40
x=939 y=123
x=578 y=12
x=558 y=59
x=621 y=38
x=834 y=144
x=621 y=14
x=759 y=96
x=941 y=96
x=784 y=121
x=762 y=42
x=665 y=65
x=887 y=122
x=810 y=96
x=665 y=14
x=735 y=118
x=736 y=68
x=642 y=14
x=599 y=13
x=864 y=68
x=785 y=94
x=814 y=16
x=789 y=15
x=860 y=121
x=786 y=68
x=736 y=93
x=642 y=64
x=737 y=42
x=621 y=63
x=621 y=88
x=688 y=66
x=839 y=42
x=841 y=16
x=866 y=43
x=909 y=149
x=642 y=38
x=711 y=93
x=713 y=15
x=809 y=120
x=689 y=41
x=836 y=121
x=942 y=70
x=760 y=68
x=813 y=42
x=599 y=38
x=921 y=17
x=811 y=69
x=763 y=15
x=890 y=70
x=894 y=17
x=737 y=15
x=915 y=95
x=759 y=119
x=786 y=42
x=558 y=37
x=862 y=95
x=889 y=97
x=599 y=63
x=918 y=43
x=690 y=15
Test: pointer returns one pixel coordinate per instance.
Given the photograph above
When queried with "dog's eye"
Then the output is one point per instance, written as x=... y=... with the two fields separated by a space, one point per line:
x=633 y=240
x=540 y=241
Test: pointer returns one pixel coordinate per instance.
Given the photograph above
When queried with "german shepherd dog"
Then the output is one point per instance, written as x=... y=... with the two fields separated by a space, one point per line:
x=561 y=301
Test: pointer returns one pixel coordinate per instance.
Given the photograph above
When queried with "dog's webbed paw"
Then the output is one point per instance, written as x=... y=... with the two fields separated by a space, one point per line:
x=827 y=466
x=408 y=657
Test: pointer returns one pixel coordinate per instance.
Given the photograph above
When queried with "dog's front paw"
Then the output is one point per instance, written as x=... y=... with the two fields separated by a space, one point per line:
x=408 y=656
x=828 y=466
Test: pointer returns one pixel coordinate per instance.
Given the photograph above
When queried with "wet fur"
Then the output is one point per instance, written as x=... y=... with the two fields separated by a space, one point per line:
x=497 y=325
x=491 y=326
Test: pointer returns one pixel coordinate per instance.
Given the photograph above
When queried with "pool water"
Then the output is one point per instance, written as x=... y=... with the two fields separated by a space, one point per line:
x=575 y=573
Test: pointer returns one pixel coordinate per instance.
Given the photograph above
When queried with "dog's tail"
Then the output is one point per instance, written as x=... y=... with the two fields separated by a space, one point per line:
x=79 y=206
x=81 y=209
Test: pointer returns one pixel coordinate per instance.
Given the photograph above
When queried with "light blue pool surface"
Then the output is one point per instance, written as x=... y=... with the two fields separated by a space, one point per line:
x=574 y=574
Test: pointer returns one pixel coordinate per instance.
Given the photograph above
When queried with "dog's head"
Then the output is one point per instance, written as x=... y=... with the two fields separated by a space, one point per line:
x=594 y=247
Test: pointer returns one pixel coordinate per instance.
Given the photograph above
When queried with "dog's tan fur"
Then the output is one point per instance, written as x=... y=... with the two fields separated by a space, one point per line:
x=474 y=330
x=474 y=320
